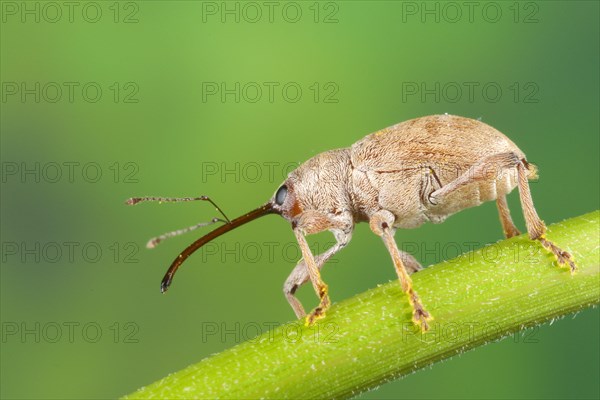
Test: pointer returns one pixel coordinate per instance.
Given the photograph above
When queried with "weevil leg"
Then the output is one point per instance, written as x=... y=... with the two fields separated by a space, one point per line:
x=315 y=277
x=297 y=278
x=488 y=169
x=508 y=226
x=410 y=262
x=494 y=167
x=535 y=226
x=381 y=224
x=300 y=275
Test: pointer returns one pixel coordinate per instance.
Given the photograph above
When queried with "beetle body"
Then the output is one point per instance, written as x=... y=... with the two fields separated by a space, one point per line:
x=397 y=168
x=421 y=170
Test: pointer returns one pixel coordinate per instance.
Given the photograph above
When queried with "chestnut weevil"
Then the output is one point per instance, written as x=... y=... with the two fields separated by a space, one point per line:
x=421 y=170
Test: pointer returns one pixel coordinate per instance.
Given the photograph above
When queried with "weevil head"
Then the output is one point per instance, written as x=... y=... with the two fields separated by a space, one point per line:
x=319 y=184
x=322 y=184
x=285 y=200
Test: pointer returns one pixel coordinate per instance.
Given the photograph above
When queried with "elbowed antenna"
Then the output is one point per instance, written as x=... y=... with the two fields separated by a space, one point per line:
x=239 y=221
x=135 y=200
x=152 y=243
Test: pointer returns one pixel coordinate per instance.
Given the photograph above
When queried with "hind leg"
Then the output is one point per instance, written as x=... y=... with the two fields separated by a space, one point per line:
x=496 y=166
x=535 y=226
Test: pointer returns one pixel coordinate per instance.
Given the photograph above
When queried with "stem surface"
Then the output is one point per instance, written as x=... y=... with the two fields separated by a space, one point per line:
x=369 y=339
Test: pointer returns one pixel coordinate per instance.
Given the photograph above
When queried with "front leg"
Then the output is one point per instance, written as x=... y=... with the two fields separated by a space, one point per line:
x=410 y=262
x=308 y=268
x=315 y=277
x=299 y=275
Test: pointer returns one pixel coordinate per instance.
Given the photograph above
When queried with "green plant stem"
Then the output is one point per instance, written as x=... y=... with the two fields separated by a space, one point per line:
x=369 y=339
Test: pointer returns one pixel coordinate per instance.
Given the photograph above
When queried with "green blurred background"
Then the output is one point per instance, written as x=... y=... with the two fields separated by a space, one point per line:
x=158 y=129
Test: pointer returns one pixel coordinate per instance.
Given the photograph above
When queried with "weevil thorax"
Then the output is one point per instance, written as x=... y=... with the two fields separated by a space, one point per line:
x=323 y=183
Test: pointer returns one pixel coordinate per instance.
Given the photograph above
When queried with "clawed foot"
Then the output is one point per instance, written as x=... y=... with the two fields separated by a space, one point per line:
x=562 y=256
x=319 y=312
x=420 y=318
x=511 y=232
x=316 y=314
x=420 y=315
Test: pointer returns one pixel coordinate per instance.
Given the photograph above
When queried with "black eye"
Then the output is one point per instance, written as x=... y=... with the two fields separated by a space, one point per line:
x=280 y=195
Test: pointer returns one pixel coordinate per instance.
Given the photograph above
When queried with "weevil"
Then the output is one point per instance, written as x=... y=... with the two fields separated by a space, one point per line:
x=417 y=171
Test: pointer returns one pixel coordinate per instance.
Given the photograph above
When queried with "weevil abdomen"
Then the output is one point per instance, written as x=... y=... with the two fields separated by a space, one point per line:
x=405 y=163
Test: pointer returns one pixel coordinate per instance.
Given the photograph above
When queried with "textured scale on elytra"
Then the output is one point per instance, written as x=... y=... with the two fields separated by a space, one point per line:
x=456 y=139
